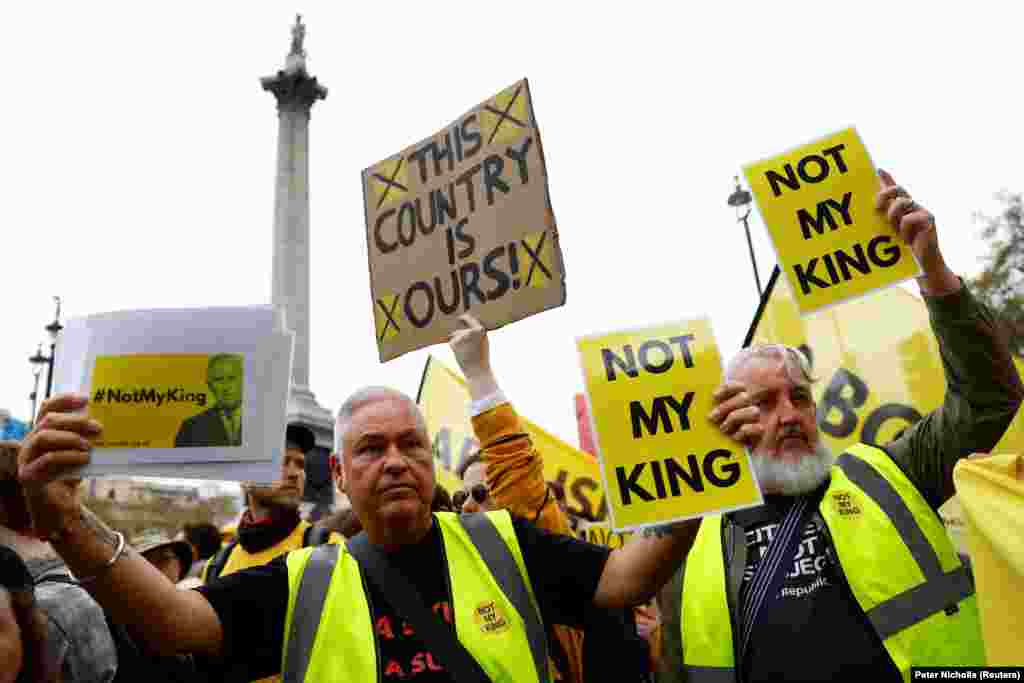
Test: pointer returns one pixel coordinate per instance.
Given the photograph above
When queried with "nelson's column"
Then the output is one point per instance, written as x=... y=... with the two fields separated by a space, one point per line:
x=296 y=92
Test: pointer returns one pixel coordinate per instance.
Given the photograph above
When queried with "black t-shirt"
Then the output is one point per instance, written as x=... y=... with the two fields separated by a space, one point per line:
x=252 y=604
x=816 y=630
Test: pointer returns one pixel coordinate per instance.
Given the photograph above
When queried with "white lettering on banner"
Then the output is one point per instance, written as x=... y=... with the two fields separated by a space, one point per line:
x=807 y=573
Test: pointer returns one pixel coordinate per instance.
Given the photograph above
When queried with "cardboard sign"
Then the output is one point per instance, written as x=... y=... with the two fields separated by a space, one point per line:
x=169 y=401
x=462 y=222
x=662 y=460
x=444 y=399
x=818 y=203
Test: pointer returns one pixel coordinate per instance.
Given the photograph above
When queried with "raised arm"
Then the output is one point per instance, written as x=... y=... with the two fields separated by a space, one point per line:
x=515 y=469
x=983 y=389
x=135 y=593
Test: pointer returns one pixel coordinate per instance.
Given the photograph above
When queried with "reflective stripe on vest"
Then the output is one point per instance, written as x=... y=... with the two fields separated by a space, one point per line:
x=707 y=653
x=925 y=612
x=488 y=607
x=896 y=556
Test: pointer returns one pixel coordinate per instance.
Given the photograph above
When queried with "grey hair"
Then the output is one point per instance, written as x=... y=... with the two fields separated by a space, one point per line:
x=364 y=396
x=798 y=368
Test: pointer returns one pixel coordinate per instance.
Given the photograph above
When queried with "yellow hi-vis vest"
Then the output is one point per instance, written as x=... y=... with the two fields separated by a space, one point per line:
x=895 y=554
x=329 y=629
x=240 y=558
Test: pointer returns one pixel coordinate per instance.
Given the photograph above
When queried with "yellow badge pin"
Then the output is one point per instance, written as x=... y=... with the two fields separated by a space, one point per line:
x=489 y=617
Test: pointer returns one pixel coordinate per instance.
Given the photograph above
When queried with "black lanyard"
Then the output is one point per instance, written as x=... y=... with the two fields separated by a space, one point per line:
x=767 y=580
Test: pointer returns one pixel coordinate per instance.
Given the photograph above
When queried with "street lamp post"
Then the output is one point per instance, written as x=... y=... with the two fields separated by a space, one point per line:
x=38 y=360
x=54 y=328
x=35 y=387
x=740 y=201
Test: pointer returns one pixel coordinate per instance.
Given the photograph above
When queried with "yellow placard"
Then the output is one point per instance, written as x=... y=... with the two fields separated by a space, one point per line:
x=818 y=203
x=168 y=400
x=444 y=399
x=600 y=533
x=650 y=394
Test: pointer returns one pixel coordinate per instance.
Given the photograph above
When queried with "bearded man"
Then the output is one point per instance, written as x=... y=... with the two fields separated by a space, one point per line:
x=846 y=571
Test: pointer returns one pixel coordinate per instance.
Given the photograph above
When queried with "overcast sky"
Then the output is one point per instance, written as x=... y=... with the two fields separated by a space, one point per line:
x=139 y=153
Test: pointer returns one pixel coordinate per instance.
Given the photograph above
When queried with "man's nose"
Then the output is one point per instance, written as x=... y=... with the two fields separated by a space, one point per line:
x=788 y=412
x=394 y=460
x=471 y=505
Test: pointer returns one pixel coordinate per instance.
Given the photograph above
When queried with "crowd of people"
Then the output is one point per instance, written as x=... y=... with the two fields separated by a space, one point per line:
x=845 y=572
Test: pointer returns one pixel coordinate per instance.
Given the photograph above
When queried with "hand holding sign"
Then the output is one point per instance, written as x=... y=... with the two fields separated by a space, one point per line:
x=472 y=351
x=58 y=446
x=916 y=225
x=470 y=345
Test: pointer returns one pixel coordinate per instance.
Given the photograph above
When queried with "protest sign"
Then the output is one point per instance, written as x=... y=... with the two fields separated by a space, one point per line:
x=662 y=460
x=818 y=203
x=444 y=399
x=462 y=221
x=600 y=533
x=198 y=393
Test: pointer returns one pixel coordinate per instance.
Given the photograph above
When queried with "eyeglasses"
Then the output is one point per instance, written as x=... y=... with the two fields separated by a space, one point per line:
x=479 y=491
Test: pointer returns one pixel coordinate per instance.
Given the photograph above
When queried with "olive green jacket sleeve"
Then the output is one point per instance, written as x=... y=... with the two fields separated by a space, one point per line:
x=983 y=393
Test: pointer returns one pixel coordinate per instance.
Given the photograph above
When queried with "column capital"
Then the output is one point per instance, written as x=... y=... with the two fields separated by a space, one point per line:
x=294 y=91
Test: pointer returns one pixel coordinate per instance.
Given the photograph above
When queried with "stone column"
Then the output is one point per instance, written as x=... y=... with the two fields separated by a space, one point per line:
x=296 y=92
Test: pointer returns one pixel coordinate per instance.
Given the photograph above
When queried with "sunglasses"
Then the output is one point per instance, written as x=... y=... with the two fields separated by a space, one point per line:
x=479 y=492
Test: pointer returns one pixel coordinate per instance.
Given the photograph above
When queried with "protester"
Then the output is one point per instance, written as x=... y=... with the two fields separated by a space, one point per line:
x=270 y=525
x=846 y=572
x=79 y=642
x=441 y=502
x=205 y=540
x=508 y=474
x=171 y=557
x=353 y=632
x=23 y=626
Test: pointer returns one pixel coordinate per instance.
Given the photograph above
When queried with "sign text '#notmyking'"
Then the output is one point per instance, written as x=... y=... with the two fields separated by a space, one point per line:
x=148 y=395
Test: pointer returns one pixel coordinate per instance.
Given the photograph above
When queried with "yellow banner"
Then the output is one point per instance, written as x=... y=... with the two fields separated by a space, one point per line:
x=991 y=490
x=874 y=378
x=164 y=401
x=444 y=399
x=600 y=533
x=818 y=203
x=650 y=393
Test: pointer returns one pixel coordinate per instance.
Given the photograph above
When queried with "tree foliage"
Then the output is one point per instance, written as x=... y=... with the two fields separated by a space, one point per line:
x=1001 y=283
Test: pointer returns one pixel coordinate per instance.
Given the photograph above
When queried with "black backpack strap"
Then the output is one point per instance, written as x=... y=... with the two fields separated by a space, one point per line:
x=408 y=603
x=218 y=561
x=315 y=535
x=498 y=558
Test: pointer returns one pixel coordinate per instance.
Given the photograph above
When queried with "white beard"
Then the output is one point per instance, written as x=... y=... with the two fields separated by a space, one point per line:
x=789 y=478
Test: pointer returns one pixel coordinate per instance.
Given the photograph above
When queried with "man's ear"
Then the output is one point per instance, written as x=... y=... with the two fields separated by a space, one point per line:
x=337 y=472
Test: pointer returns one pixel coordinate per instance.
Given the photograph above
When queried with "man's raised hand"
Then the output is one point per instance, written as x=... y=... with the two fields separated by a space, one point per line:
x=470 y=346
x=58 y=446
x=916 y=226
